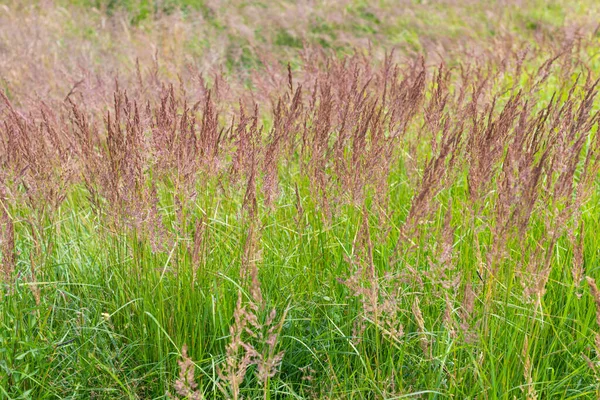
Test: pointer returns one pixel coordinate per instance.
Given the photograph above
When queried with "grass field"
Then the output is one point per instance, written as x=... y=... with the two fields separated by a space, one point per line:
x=299 y=200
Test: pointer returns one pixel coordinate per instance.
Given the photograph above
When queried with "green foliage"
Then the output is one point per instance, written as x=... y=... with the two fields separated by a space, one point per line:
x=284 y=38
x=114 y=313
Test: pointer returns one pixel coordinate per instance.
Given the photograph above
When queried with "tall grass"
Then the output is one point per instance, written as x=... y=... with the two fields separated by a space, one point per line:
x=349 y=228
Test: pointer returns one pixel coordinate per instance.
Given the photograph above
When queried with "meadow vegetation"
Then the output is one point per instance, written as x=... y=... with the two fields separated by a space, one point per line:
x=299 y=200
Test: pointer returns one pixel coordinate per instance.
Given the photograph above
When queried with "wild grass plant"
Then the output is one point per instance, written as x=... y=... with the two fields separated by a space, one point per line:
x=343 y=227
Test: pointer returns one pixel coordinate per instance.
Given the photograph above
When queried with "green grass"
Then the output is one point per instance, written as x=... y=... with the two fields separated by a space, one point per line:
x=114 y=314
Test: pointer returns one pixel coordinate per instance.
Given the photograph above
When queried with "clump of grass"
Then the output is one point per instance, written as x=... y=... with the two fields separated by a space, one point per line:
x=186 y=385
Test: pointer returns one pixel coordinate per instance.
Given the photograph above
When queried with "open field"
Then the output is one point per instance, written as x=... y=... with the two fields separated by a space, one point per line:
x=299 y=200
